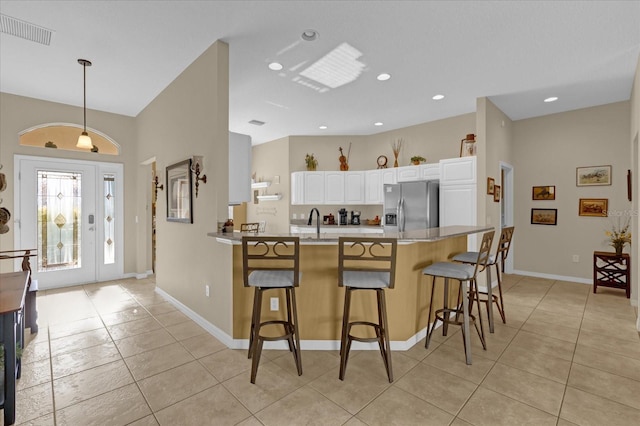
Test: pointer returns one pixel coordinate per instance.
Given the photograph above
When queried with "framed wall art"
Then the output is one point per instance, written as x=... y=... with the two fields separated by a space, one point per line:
x=593 y=175
x=593 y=207
x=543 y=193
x=179 y=198
x=544 y=216
x=490 y=184
x=496 y=193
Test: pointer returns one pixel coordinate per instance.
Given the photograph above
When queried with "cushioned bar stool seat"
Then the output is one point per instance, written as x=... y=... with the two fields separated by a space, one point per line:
x=463 y=273
x=486 y=295
x=366 y=264
x=272 y=263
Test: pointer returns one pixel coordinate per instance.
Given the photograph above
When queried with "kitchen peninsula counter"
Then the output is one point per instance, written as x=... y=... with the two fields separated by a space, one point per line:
x=320 y=300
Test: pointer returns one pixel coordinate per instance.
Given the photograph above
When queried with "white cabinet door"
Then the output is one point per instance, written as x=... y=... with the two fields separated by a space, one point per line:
x=408 y=173
x=354 y=188
x=313 y=187
x=373 y=187
x=389 y=175
x=297 y=188
x=458 y=205
x=334 y=187
x=429 y=171
x=458 y=171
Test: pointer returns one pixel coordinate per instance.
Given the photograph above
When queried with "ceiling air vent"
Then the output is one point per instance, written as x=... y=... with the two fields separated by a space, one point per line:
x=256 y=122
x=25 y=30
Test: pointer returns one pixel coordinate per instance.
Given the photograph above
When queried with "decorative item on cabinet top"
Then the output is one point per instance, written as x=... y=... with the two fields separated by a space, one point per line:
x=396 y=146
x=382 y=162
x=468 y=146
x=344 y=161
x=417 y=159
x=311 y=161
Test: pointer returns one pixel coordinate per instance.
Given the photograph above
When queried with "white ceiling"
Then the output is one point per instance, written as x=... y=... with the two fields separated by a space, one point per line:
x=517 y=53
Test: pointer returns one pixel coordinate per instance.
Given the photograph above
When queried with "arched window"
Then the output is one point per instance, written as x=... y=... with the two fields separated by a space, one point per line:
x=64 y=136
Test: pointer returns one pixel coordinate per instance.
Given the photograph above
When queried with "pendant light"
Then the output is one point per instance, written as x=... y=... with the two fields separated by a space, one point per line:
x=84 y=141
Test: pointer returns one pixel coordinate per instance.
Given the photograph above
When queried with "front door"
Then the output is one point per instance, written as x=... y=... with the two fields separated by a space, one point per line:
x=70 y=211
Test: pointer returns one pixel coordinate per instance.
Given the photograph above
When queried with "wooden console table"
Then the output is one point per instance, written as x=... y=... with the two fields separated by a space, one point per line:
x=612 y=270
x=13 y=288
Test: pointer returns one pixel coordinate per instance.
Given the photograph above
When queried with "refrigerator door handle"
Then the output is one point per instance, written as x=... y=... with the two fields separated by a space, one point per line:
x=401 y=215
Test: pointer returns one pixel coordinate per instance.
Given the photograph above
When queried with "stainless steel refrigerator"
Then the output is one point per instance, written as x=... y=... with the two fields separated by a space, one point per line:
x=411 y=205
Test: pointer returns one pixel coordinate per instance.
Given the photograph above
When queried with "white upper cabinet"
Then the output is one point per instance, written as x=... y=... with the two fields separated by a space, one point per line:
x=458 y=171
x=373 y=186
x=334 y=187
x=297 y=188
x=354 y=187
x=429 y=171
x=408 y=173
x=314 y=188
x=239 y=174
x=388 y=176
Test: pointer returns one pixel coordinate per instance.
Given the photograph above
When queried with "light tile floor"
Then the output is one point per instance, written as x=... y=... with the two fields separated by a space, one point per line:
x=117 y=354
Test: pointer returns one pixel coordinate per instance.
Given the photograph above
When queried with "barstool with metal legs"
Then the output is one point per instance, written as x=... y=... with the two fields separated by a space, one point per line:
x=502 y=252
x=463 y=273
x=272 y=263
x=366 y=263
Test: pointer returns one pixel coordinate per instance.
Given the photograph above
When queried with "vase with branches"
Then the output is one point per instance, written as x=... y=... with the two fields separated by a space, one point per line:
x=619 y=235
x=396 y=146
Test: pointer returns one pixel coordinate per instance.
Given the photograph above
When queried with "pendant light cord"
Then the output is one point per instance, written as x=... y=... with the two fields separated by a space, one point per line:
x=84 y=78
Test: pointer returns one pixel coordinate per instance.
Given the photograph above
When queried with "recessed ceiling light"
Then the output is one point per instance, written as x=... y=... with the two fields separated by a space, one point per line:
x=309 y=35
x=384 y=76
x=551 y=99
x=322 y=127
x=378 y=123
x=437 y=97
x=275 y=66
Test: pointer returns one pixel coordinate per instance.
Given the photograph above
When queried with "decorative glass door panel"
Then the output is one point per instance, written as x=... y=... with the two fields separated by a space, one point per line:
x=72 y=212
x=109 y=186
x=59 y=217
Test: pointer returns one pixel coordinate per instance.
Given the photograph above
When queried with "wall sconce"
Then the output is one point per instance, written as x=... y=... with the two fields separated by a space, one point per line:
x=195 y=168
x=157 y=185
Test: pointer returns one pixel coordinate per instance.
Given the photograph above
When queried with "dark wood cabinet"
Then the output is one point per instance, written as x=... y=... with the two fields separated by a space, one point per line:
x=612 y=270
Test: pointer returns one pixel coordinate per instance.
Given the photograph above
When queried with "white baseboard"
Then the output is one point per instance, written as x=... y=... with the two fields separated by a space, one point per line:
x=137 y=276
x=553 y=277
x=212 y=329
x=315 y=345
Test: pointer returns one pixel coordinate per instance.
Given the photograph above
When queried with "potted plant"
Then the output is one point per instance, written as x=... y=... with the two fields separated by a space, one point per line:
x=311 y=161
x=416 y=159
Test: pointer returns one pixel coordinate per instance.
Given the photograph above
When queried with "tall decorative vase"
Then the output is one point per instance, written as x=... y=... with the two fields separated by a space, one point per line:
x=395 y=163
x=618 y=248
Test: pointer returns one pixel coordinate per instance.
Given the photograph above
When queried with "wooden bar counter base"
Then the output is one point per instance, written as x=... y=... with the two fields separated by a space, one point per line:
x=320 y=300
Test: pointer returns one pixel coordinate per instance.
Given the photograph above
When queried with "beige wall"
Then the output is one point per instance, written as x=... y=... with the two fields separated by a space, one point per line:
x=435 y=140
x=270 y=160
x=190 y=117
x=497 y=139
x=547 y=151
x=18 y=113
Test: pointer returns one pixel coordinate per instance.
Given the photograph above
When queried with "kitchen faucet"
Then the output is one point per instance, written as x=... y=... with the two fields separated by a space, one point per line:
x=317 y=219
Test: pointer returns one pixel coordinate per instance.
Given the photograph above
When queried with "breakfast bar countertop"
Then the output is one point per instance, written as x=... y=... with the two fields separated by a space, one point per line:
x=407 y=237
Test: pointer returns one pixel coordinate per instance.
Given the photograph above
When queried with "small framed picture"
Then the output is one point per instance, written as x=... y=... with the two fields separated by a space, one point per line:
x=496 y=193
x=593 y=175
x=544 y=216
x=179 y=198
x=543 y=193
x=490 y=185
x=593 y=207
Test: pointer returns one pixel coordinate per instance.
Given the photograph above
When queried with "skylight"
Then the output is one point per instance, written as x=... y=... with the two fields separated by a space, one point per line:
x=337 y=68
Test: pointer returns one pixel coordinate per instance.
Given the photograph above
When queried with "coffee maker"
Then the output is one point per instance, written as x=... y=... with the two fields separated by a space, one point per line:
x=355 y=218
x=343 y=216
